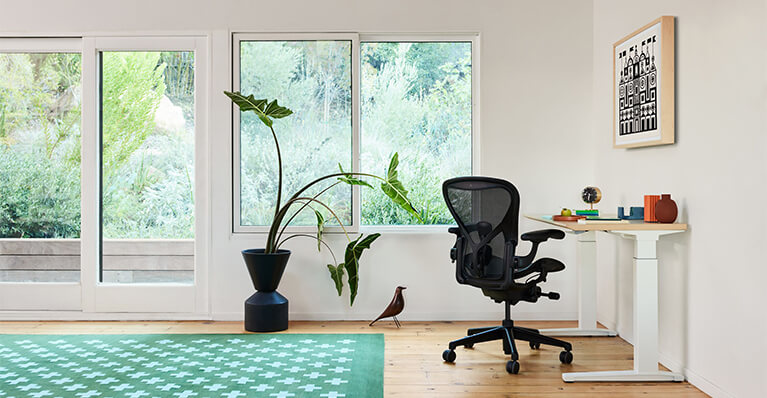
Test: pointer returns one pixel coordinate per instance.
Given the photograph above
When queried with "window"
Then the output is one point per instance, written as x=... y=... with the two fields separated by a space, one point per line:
x=40 y=166
x=314 y=79
x=416 y=101
x=413 y=97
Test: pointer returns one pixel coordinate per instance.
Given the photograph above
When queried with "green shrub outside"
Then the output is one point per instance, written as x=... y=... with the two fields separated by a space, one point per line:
x=148 y=172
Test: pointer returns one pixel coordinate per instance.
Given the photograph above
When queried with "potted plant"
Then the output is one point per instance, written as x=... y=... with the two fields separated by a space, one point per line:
x=267 y=310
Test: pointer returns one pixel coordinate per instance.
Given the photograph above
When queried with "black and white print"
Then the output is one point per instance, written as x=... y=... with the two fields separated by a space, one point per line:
x=637 y=86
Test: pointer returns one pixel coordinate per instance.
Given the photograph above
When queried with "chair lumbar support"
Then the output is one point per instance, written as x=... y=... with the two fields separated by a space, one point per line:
x=487 y=213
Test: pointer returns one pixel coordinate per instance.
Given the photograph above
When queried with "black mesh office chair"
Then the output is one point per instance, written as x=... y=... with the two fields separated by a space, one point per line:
x=487 y=213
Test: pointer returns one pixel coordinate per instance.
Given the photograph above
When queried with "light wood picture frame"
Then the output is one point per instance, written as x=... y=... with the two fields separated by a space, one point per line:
x=643 y=86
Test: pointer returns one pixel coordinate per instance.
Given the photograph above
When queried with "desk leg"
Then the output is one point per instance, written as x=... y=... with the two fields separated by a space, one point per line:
x=586 y=249
x=645 y=320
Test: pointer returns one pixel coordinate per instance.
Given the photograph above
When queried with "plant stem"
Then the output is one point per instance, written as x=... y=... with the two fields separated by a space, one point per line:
x=340 y=223
x=270 y=243
x=279 y=164
x=303 y=207
x=313 y=237
x=309 y=200
x=271 y=238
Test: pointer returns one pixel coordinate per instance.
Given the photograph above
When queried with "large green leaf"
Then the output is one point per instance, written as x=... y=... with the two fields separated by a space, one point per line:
x=394 y=189
x=264 y=109
x=320 y=229
x=351 y=179
x=352 y=261
x=337 y=273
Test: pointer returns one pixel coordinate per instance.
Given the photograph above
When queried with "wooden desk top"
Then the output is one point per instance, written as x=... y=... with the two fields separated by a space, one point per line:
x=632 y=225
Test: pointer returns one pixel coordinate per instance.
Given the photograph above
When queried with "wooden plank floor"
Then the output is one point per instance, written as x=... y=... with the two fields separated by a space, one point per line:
x=414 y=366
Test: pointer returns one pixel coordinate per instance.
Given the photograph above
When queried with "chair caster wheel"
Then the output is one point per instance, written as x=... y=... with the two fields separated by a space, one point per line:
x=535 y=346
x=566 y=357
x=448 y=356
x=470 y=345
x=512 y=367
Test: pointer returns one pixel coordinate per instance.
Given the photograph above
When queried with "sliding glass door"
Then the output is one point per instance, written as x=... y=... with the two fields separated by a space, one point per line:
x=100 y=196
x=148 y=100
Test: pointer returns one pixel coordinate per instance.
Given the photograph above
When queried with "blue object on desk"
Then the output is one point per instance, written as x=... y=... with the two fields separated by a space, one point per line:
x=635 y=213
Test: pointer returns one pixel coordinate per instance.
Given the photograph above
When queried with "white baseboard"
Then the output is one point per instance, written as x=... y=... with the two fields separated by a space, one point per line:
x=610 y=324
x=410 y=316
x=693 y=378
x=297 y=316
x=98 y=316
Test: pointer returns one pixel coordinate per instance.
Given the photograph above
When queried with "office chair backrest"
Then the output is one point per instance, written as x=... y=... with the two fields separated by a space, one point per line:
x=486 y=211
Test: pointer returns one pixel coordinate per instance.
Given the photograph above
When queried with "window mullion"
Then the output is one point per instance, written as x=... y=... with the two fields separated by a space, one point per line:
x=90 y=176
x=356 y=100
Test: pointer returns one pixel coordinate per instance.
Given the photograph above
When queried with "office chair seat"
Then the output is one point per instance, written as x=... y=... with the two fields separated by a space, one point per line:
x=544 y=264
x=494 y=268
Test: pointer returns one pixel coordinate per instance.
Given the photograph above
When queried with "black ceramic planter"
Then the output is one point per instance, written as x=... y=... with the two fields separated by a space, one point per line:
x=266 y=310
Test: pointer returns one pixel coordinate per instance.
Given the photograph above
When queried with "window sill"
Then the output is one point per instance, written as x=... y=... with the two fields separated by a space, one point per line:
x=366 y=229
x=405 y=229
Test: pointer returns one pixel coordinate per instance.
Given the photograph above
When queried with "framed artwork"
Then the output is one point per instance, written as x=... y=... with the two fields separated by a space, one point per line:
x=643 y=86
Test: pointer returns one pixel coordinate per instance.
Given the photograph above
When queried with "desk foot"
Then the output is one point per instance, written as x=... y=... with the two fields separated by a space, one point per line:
x=578 y=332
x=622 y=375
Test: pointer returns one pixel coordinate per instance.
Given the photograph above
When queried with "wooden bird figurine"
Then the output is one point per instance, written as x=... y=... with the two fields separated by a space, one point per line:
x=395 y=307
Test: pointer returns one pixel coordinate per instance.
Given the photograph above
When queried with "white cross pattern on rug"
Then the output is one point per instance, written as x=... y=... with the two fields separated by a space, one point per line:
x=332 y=394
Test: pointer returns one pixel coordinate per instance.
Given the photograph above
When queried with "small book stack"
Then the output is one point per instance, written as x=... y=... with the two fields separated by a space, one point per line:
x=602 y=220
x=587 y=213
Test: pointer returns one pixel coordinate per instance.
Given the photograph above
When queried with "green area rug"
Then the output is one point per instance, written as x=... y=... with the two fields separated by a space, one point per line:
x=192 y=365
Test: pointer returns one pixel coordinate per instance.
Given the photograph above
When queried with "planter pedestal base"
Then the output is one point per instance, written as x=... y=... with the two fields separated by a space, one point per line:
x=266 y=312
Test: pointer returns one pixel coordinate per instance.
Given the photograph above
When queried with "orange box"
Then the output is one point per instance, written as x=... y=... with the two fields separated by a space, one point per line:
x=649 y=207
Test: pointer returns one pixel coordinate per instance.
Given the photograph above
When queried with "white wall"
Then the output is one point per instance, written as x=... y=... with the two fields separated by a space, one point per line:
x=713 y=324
x=535 y=110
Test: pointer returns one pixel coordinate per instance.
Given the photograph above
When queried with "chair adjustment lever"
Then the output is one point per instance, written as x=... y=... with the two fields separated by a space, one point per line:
x=551 y=295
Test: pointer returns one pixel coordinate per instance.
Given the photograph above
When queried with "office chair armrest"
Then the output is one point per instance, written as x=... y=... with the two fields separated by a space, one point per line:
x=542 y=235
x=536 y=238
x=456 y=252
x=457 y=231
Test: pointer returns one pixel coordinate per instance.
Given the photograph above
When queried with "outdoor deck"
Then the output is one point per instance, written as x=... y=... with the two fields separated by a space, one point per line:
x=125 y=260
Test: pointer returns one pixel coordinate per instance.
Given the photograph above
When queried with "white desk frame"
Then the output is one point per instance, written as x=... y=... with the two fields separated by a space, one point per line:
x=645 y=304
x=586 y=250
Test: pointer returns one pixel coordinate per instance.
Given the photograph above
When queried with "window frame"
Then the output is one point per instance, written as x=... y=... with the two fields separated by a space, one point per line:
x=357 y=39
